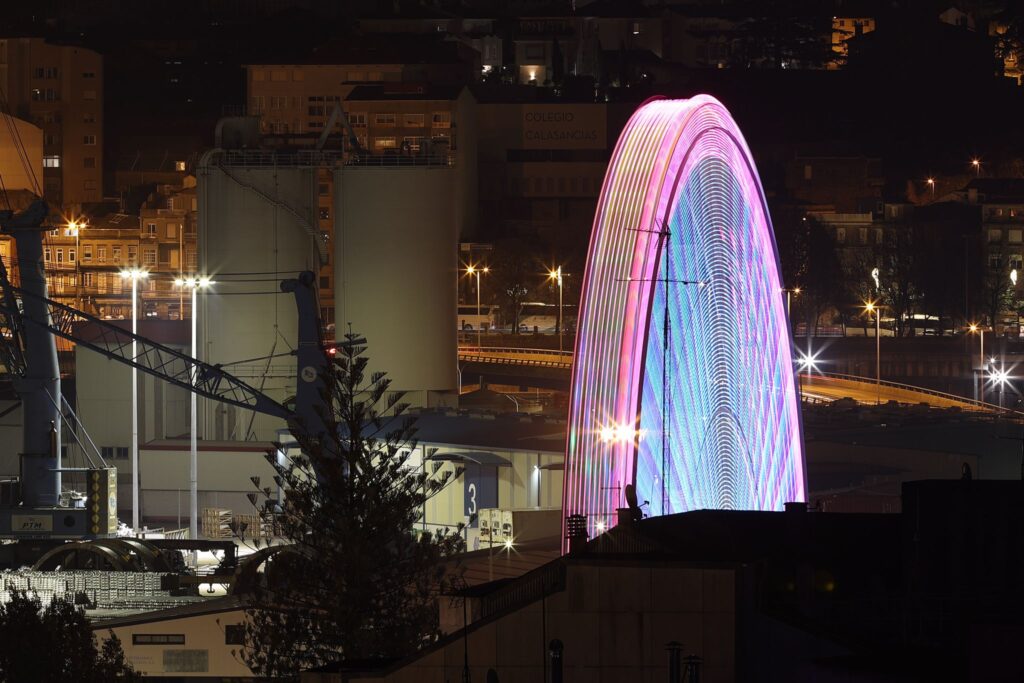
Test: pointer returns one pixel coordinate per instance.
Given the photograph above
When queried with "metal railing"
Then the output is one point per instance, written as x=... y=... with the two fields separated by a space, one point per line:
x=869 y=381
x=517 y=356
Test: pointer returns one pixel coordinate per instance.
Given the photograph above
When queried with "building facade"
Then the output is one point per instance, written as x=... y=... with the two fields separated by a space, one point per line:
x=59 y=88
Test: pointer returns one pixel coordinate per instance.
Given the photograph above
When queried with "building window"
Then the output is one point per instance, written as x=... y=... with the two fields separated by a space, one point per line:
x=413 y=120
x=1014 y=236
x=384 y=143
x=101 y=254
x=46 y=255
x=89 y=95
x=412 y=142
x=190 y=258
x=995 y=235
x=121 y=452
x=115 y=253
x=995 y=261
x=172 y=231
x=87 y=252
x=89 y=162
x=384 y=119
x=325 y=282
x=151 y=229
x=60 y=255
x=441 y=119
x=88 y=279
x=133 y=255
x=158 y=639
x=278 y=75
x=149 y=257
x=357 y=119
x=841 y=235
x=179 y=165
x=88 y=139
x=862 y=235
x=51 y=161
x=1016 y=261
x=234 y=634
x=88 y=74
x=72 y=255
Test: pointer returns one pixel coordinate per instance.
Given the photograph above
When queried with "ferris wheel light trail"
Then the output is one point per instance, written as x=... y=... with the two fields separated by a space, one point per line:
x=686 y=392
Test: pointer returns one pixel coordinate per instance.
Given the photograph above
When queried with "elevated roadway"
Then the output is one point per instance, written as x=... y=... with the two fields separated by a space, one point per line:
x=548 y=369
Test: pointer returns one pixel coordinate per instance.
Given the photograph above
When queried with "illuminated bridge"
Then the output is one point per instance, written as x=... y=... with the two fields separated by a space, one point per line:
x=551 y=369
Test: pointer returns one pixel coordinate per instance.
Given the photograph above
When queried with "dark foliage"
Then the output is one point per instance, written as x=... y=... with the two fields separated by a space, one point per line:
x=360 y=580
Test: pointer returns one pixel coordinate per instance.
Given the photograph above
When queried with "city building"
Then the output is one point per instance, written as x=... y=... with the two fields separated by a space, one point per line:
x=21 y=154
x=299 y=98
x=59 y=88
x=844 y=28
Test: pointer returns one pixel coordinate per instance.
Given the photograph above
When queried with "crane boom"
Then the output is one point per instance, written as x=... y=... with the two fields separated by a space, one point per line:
x=153 y=358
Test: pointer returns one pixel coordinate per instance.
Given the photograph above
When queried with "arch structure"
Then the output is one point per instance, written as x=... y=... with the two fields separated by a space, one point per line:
x=683 y=381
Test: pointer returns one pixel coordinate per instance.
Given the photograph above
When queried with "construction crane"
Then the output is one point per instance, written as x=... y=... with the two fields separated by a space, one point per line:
x=30 y=322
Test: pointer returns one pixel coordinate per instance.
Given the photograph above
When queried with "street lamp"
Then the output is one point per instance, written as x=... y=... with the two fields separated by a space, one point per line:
x=790 y=291
x=75 y=229
x=979 y=330
x=999 y=378
x=806 y=362
x=194 y=284
x=557 y=276
x=931 y=184
x=976 y=163
x=472 y=270
x=135 y=274
x=872 y=307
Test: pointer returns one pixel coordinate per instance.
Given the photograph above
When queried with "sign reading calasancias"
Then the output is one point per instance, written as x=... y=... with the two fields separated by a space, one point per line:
x=580 y=126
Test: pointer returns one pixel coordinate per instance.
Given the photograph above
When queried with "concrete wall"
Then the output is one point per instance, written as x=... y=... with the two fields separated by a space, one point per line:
x=224 y=478
x=396 y=231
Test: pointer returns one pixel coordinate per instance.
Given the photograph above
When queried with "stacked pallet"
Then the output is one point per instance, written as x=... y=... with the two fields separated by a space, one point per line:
x=216 y=523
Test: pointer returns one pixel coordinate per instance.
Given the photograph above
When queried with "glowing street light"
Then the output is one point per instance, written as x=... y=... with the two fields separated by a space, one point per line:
x=194 y=284
x=473 y=270
x=135 y=274
x=870 y=307
x=999 y=377
x=931 y=185
x=790 y=291
x=556 y=275
x=74 y=229
x=976 y=163
x=974 y=328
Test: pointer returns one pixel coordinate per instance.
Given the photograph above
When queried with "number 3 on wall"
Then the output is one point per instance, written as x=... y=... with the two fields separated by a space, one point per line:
x=471 y=505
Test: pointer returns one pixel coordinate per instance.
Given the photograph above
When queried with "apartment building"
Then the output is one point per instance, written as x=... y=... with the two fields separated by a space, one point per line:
x=59 y=88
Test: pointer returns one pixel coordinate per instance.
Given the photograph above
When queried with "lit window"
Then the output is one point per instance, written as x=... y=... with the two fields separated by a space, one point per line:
x=179 y=165
x=384 y=119
x=384 y=143
x=413 y=120
x=149 y=257
x=52 y=161
x=441 y=119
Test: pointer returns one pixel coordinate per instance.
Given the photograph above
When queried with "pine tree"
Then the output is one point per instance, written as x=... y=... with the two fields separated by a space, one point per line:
x=359 y=580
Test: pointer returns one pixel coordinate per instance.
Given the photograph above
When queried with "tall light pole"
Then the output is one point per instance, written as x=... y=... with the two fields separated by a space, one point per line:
x=872 y=307
x=473 y=270
x=194 y=284
x=978 y=329
x=976 y=163
x=75 y=228
x=790 y=291
x=556 y=275
x=135 y=274
x=931 y=184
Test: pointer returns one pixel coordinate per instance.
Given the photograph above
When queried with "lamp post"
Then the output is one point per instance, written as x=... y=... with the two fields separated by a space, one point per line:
x=872 y=307
x=976 y=163
x=931 y=185
x=556 y=275
x=194 y=284
x=978 y=329
x=135 y=274
x=473 y=270
x=790 y=291
x=75 y=229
